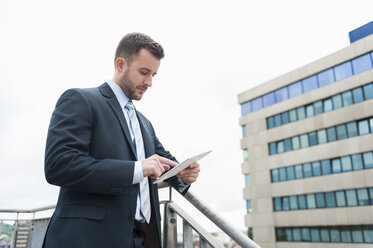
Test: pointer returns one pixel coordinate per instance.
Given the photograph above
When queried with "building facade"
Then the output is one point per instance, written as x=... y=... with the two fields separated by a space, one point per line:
x=308 y=153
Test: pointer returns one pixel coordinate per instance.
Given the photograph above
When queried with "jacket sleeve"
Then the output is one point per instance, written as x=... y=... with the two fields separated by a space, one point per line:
x=68 y=162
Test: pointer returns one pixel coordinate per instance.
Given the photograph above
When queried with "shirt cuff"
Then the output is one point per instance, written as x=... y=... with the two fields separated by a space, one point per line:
x=138 y=176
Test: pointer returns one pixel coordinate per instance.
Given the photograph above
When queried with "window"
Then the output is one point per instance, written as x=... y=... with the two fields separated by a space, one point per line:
x=293 y=202
x=368 y=91
x=311 y=203
x=257 y=104
x=318 y=107
x=362 y=63
x=288 y=234
x=278 y=120
x=274 y=174
x=306 y=234
x=280 y=147
x=295 y=143
x=324 y=233
x=244 y=131
x=345 y=234
x=325 y=165
x=328 y=105
x=320 y=202
x=315 y=235
x=301 y=113
x=285 y=203
x=287 y=144
x=346 y=163
x=368 y=159
x=362 y=196
x=352 y=129
x=296 y=234
x=371 y=195
x=340 y=198
x=316 y=168
x=304 y=141
x=310 y=111
x=368 y=234
x=246 y=108
x=277 y=203
x=247 y=180
x=334 y=234
x=250 y=232
x=280 y=235
x=309 y=84
x=358 y=95
x=341 y=131
x=347 y=98
x=371 y=125
x=290 y=172
x=337 y=101
x=248 y=206
x=343 y=71
x=321 y=136
x=357 y=234
x=270 y=122
x=282 y=174
x=295 y=89
x=357 y=162
x=363 y=127
x=326 y=77
x=336 y=165
x=312 y=137
x=293 y=115
x=268 y=99
x=272 y=148
x=285 y=118
x=245 y=155
x=330 y=199
x=281 y=94
x=307 y=170
x=302 y=202
x=331 y=134
x=351 y=197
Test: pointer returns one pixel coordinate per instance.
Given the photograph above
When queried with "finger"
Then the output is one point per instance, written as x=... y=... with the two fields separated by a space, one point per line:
x=194 y=165
x=166 y=167
x=164 y=160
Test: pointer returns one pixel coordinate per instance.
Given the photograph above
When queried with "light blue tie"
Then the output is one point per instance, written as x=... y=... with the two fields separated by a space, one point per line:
x=144 y=185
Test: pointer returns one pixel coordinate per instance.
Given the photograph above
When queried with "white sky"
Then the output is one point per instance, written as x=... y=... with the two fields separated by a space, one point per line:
x=214 y=51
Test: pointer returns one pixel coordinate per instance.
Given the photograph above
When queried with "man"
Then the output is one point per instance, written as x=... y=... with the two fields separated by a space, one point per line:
x=104 y=155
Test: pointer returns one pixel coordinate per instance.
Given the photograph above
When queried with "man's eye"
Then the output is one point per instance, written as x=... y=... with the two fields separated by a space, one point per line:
x=143 y=72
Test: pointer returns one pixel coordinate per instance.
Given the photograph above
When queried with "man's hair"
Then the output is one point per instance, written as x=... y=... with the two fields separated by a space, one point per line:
x=132 y=43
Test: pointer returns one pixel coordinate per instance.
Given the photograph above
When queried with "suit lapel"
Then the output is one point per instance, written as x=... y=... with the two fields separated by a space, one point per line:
x=114 y=105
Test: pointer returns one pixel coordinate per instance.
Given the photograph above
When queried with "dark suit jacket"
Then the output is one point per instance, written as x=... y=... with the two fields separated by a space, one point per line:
x=89 y=154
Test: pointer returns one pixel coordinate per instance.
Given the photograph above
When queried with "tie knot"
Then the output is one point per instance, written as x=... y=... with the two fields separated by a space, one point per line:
x=129 y=105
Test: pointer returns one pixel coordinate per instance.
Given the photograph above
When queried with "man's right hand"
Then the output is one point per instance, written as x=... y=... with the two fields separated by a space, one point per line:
x=155 y=165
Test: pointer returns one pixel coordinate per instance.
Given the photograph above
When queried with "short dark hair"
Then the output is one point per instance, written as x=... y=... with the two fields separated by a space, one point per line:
x=132 y=43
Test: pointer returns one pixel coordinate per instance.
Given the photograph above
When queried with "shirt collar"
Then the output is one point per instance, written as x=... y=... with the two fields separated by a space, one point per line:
x=119 y=93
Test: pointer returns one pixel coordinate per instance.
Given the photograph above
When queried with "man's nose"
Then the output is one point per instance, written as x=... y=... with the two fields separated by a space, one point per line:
x=148 y=81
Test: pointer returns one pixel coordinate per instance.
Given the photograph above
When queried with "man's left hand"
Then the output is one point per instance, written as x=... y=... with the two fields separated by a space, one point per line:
x=190 y=174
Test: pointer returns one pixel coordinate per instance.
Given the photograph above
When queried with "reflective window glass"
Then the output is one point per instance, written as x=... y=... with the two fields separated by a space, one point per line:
x=296 y=234
x=331 y=134
x=341 y=131
x=280 y=235
x=361 y=63
x=324 y=233
x=357 y=234
x=368 y=160
x=310 y=111
x=345 y=234
x=248 y=206
x=282 y=174
x=289 y=234
x=302 y=202
x=325 y=77
x=337 y=101
x=277 y=203
x=351 y=197
x=293 y=115
x=257 y=104
x=368 y=234
x=363 y=127
x=304 y=140
x=287 y=145
x=272 y=148
x=321 y=136
x=293 y=202
x=358 y=95
x=305 y=234
x=340 y=198
x=362 y=197
x=307 y=169
x=244 y=131
x=330 y=199
x=312 y=137
x=285 y=118
x=245 y=155
x=246 y=108
x=343 y=71
x=281 y=94
x=285 y=203
x=336 y=165
x=320 y=201
x=325 y=165
x=357 y=162
x=347 y=98
x=328 y=105
x=280 y=147
x=274 y=173
x=247 y=180
x=295 y=143
x=299 y=171
x=315 y=235
x=371 y=195
x=311 y=203
x=309 y=83
x=318 y=107
x=295 y=89
x=371 y=125
x=334 y=235
x=346 y=163
x=316 y=168
x=352 y=129
x=368 y=91
x=270 y=122
x=268 y=99
x=301 y=113
x=290 y=172
x=278 y=120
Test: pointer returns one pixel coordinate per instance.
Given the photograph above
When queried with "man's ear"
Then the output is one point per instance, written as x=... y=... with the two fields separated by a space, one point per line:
x=121 y=65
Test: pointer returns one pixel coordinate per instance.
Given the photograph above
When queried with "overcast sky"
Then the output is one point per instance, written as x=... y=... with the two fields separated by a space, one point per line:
x=214 y=51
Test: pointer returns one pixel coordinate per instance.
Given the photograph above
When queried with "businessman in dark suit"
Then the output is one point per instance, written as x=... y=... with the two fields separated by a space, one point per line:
x=101 y=152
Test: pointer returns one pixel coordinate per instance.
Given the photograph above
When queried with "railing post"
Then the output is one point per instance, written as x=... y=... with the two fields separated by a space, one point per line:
x=203 y=243
x=187 y=235
x=169 y=228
